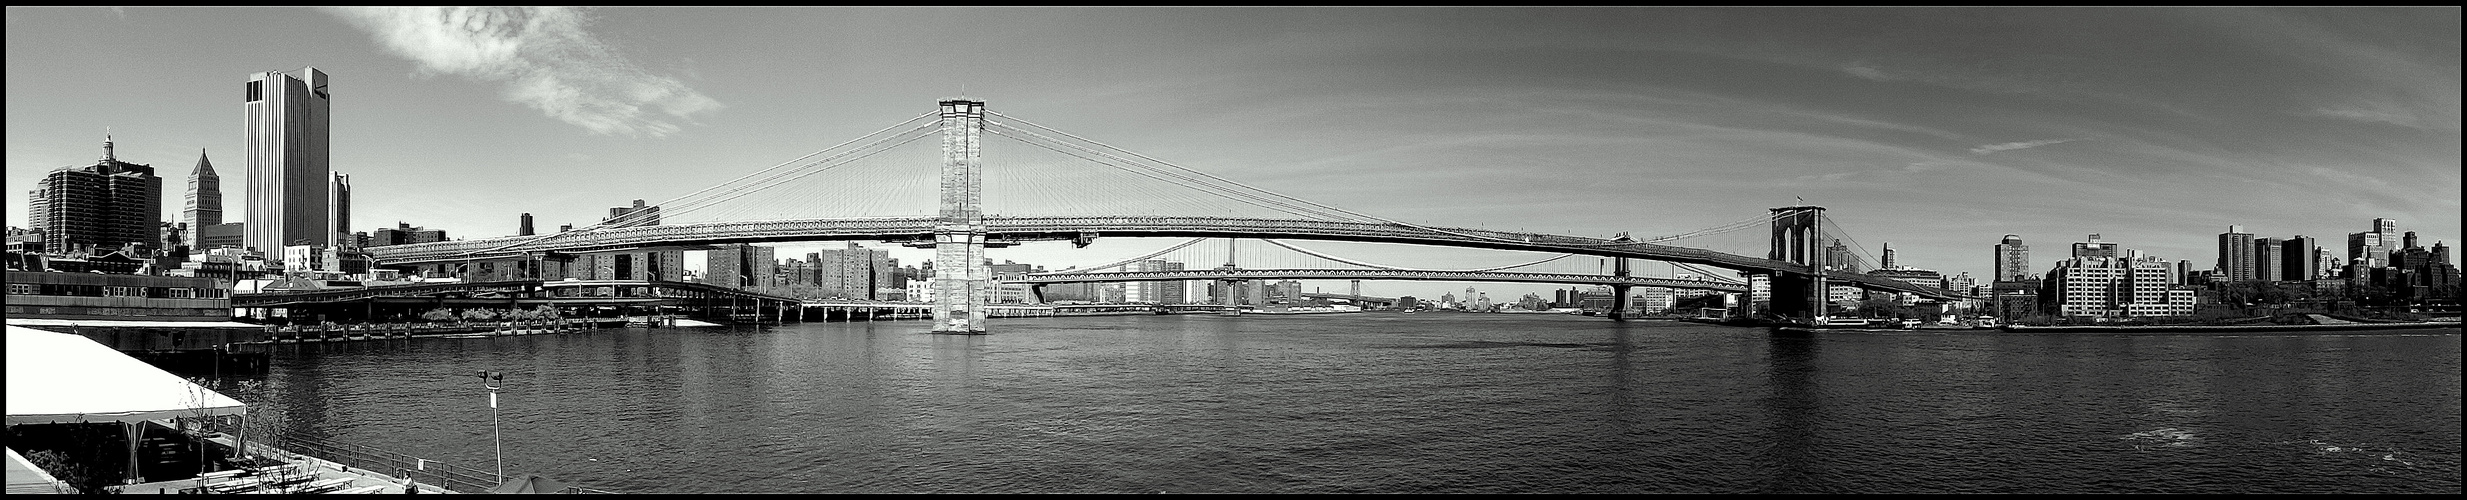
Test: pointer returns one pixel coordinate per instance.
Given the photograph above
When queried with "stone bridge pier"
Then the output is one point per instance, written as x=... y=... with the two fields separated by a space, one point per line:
x=1798 y=238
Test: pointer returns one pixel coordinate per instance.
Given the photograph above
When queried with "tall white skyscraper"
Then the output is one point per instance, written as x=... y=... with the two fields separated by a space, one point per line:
x=289 y=180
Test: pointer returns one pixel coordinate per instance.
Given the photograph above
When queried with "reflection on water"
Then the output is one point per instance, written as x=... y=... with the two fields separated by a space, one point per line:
x=1387 y=403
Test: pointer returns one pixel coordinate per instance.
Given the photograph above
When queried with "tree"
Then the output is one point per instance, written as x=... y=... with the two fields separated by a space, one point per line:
x=479 y=314
x=438 y=314
x=75 y=473
x=1878 y=306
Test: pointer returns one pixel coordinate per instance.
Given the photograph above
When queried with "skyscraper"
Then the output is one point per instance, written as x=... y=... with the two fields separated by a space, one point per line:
x=2372 y=249
x=100 y=207
x=286 y=131
x=2236 y=254
x=2012 y=259
x=2266 y=259
x=204 y=206
x=338 y=204
x=525 y=230
x=2299 y=260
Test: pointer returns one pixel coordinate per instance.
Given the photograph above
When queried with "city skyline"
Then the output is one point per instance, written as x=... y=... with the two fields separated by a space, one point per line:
x=1938 y=130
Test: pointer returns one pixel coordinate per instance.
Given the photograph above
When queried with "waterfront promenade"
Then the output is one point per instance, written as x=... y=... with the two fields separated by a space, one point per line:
x=295 y=476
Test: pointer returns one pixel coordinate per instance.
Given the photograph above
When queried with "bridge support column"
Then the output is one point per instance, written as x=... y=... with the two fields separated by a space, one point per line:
x=1232 y=300
x=1798 y=238
x=1619 y=293
x=960 y=274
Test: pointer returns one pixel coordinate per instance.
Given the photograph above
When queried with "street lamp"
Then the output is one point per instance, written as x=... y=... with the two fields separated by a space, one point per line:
x=491 y=379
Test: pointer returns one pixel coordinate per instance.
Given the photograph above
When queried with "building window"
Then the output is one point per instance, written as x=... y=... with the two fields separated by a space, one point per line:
x=256 y=90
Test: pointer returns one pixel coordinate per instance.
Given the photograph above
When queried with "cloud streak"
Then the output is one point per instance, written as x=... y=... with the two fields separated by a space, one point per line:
x=1993 y=148
x=543 y=58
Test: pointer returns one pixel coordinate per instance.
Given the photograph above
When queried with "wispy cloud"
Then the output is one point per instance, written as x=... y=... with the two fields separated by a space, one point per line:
x=2377 y=114
x=1865 y=70
x=1992 y=148
x=545 y=60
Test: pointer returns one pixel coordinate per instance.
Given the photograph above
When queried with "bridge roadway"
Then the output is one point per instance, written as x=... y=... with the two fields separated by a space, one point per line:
x=1380 y=274
x=919 y=230
x=691 y=290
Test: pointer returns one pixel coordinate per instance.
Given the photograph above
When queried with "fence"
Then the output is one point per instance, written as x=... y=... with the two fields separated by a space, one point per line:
x=452 y=477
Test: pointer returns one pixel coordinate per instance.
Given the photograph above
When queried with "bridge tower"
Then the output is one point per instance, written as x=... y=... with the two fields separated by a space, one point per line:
x=1798 y=238
x=1356 y=292
x=1619 y=293
x=960 y=275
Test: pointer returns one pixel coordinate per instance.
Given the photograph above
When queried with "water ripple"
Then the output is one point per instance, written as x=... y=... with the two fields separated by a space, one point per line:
x=1374 y=403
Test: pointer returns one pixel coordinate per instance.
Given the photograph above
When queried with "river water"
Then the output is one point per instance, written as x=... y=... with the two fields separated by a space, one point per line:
x=1402 y=403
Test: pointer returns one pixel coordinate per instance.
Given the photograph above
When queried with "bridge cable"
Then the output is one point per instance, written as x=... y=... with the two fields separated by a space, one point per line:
x=1307 y=202
x=1139 y=258
x=1395 y=268
x=1185 y=180
x=632 y=217
x=805 y=171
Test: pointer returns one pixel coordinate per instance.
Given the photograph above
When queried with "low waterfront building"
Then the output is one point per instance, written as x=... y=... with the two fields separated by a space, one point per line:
x=2108 y=287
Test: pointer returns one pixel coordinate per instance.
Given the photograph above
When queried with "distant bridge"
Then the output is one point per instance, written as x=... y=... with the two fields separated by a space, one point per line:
x=1373 y=274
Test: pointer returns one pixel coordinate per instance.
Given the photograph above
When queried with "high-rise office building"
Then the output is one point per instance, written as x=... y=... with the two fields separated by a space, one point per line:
x=2372 y=249
x=99 y=207
x=2236 y=254
x=525 y=229
x=2094 y=248
x=338 y=204
x=286 y=131
x=1840 y=257
x=2325 y=263
x=2266 y=262
x=2299 y=259
x=2012 y=259
x=204 y=202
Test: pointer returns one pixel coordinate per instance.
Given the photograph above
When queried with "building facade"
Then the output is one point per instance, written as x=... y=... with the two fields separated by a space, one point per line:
x=98 y=208
x=740 y=266
x=2094 y=248
x=2236 y=254
x=2371 y=249
x=286 y=130
x=203 y=205
x=338 y=206
x=854 y=272
x=2012 y=259
x=2110 y=287
x=2299 y=259
x=2267 y=262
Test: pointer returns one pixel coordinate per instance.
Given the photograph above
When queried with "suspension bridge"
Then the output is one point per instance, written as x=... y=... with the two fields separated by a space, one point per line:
x=1055 y=186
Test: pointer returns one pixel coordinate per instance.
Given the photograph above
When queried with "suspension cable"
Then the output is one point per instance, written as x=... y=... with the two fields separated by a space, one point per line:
x=1186 y=182
x=1396 y=268
x=633 y=217
x=1142 y=257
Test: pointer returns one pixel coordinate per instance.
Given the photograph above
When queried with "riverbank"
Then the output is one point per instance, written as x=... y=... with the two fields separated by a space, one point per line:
x=2408 y=327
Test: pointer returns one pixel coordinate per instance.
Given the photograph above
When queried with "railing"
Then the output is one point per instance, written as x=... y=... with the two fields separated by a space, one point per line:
x=442 y=474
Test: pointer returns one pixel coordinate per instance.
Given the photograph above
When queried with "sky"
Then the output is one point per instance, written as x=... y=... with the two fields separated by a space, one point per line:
x=1936 y=130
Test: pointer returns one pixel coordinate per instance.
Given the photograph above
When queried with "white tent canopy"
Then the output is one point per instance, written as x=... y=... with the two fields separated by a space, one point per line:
x=67 y=378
